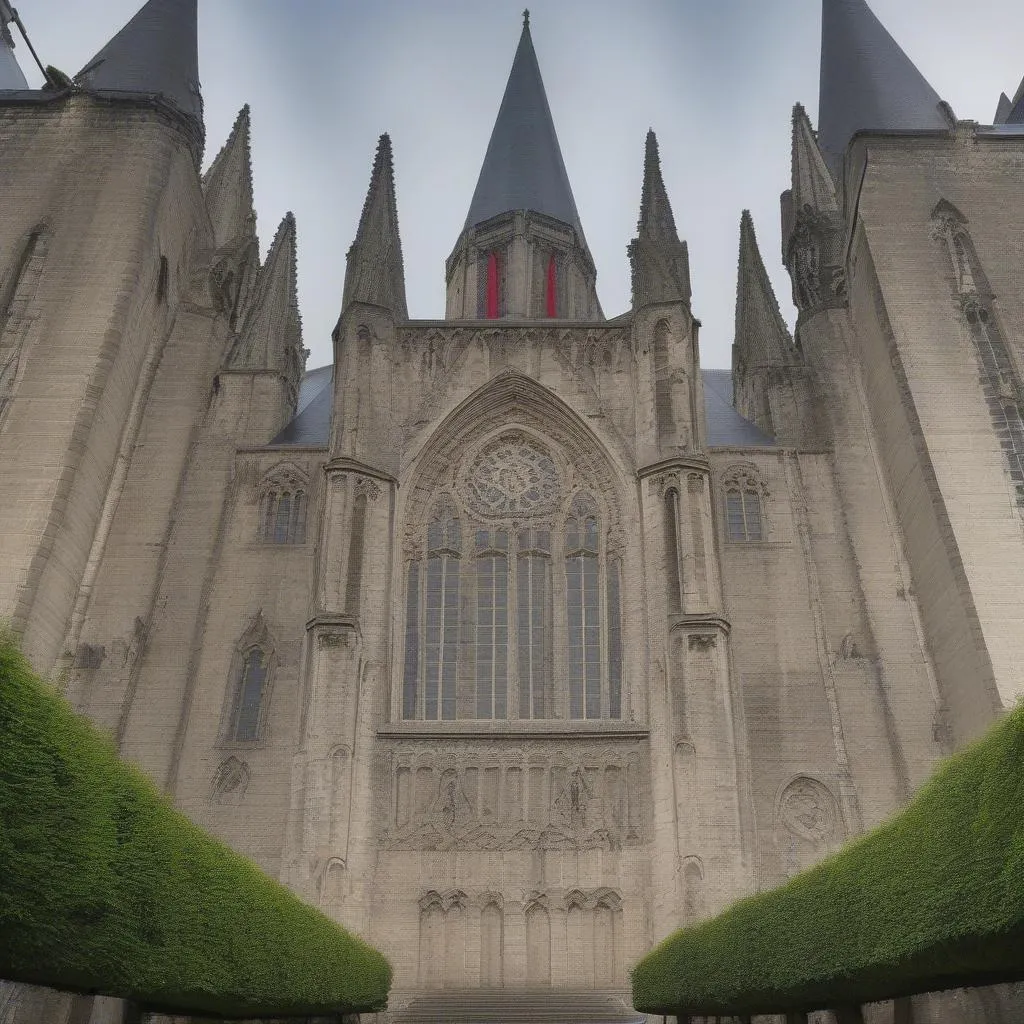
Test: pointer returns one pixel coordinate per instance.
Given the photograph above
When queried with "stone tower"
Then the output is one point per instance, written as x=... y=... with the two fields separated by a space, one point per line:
x=515 y=640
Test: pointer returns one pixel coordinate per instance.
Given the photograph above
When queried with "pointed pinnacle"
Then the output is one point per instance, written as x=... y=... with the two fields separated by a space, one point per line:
x=656 y=222
x=273 y=323
x=227 y=185
x=375 y=273
x=812 y=182
x=762 y=337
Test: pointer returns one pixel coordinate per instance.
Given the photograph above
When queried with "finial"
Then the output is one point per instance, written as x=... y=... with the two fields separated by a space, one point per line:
x=526 y=18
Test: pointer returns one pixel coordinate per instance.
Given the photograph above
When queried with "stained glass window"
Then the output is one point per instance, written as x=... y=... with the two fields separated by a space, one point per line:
x=583 y=606
x=441 y=607
x=245 y=723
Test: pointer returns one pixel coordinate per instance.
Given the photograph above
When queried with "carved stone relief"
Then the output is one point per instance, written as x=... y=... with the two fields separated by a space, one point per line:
x=522 y=796
x=808 y=811
x=230 y=782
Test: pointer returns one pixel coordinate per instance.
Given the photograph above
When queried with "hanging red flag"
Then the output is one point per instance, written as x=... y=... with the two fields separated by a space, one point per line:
x=552 y=287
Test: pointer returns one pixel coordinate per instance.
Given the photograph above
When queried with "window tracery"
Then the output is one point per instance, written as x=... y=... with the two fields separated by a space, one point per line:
x=283 y=501
x=492 y=631
x=744 y=504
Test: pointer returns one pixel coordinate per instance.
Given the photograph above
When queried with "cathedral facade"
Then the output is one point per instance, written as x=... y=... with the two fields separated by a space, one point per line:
x=516 y=640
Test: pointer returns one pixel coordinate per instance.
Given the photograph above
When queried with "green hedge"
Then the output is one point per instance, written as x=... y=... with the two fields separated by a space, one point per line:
x=105 y=888
x=932 y=900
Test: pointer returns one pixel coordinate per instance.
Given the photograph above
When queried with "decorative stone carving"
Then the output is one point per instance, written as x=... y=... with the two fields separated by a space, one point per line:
x=367 y=488
x=520 y=796
x=808 y=811
x=703 y=641
x=230 y=782
x=512 y=477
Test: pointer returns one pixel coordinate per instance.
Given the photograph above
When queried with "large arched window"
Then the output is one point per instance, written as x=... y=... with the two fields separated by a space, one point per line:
x=513 y=602
x=744 y=508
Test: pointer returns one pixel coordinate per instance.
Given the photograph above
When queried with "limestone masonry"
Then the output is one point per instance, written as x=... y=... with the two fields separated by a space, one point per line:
x=516 y=640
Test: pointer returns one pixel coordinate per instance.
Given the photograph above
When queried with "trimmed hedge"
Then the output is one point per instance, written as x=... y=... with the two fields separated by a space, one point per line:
x=105 y=888
x=932 y=900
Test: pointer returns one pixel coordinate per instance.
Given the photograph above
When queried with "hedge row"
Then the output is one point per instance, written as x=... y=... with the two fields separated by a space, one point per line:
x=105 y=888
x=932 y=900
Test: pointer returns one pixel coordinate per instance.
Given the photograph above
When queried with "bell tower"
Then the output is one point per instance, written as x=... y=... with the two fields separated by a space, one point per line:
x=522 y=254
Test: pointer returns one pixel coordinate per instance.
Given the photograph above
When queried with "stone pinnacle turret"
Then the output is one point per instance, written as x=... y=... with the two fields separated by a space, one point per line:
x=375 y=273
x=660 y=261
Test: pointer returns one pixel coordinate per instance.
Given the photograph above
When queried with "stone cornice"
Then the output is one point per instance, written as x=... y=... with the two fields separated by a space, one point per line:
x=343 y=464
x=695 y=461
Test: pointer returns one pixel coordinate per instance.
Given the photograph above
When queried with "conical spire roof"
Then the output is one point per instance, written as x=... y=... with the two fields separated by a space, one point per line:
x=762 y=337
x=227 y=185
x=11 y=75
x=523 y=167
x=375 y=273
x=156 y=53
x=812 y=184
x=867 y=82
x=272 y=326
x=656 y=221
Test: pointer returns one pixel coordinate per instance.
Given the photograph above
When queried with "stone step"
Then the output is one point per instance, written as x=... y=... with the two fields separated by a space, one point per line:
x=510 y=1006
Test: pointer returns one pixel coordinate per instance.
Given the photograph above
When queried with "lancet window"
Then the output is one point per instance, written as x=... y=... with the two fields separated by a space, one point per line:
x=491 y=287
x=250 y=687
x=283 y=510
x=513 y=609
x=744 y=513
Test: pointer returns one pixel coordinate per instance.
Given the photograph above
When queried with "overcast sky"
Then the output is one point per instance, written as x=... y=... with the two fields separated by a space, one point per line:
x=716 y=79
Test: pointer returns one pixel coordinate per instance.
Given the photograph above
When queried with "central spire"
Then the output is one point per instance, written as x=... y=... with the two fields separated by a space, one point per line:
x=523 y=168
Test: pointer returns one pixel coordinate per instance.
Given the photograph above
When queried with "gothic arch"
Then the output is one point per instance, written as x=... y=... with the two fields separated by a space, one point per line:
x=283 y=502
x=509 y=400
x=249 y=685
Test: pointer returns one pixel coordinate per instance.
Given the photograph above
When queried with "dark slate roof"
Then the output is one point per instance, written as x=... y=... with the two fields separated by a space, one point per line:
x=867 y=81
x=726 y=427
x=311 y=427
x=155 y=54
x=523 y=168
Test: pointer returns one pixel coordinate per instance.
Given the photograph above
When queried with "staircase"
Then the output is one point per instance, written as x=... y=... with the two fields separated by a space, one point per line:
x=509 y=1006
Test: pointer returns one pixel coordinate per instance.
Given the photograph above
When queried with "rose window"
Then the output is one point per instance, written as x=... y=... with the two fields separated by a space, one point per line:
x=515 y=478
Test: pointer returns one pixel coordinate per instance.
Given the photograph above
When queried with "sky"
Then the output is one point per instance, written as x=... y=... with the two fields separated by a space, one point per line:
x=716 y=80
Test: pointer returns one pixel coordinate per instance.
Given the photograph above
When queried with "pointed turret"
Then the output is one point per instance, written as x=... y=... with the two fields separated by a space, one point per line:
x=227 y=188
x=155 y=54
x=812 y=223
x=770 y=385
x=271 y=337
x=523 y=167
x=522 y=253
x=867 y=82
x=11 y=75
x=762 y=337
x=227 y=185
x=812 y=185
x=660 y=261
x=375 y=273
